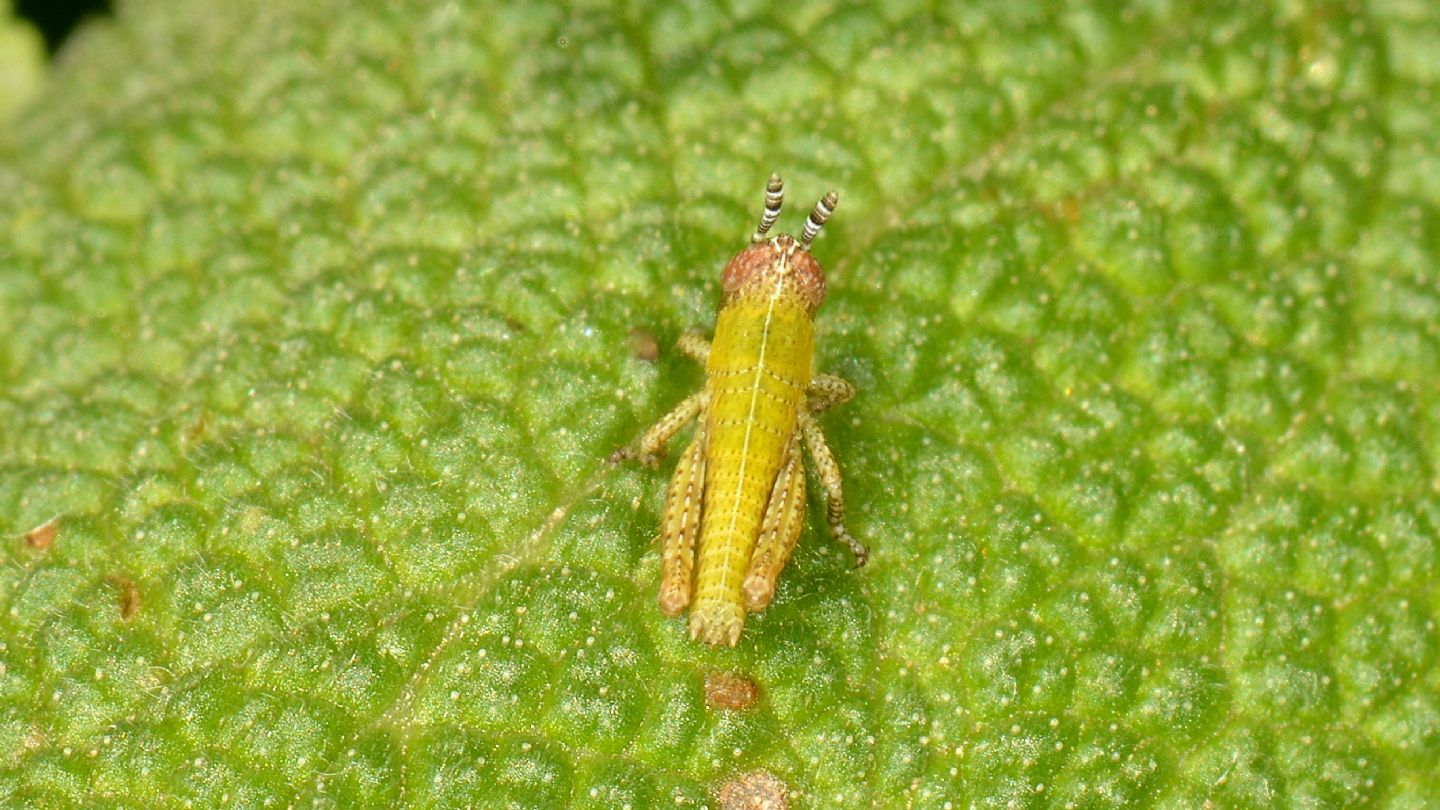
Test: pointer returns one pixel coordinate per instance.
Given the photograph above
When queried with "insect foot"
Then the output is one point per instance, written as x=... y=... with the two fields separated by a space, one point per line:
x=623 y=454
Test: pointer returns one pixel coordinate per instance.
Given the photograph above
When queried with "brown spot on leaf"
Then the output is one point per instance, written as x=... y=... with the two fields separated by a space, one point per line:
x=128 y=596
x=43 y=536
x=644 y=345
x=728 y=690
x=757 y=790
x=195 y=432
x=1069 y=209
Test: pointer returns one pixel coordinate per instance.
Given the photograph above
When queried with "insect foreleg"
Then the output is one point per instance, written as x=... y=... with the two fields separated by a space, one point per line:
x=680 y=526
x=829 y=473
x=827 y=390
x=695 y=346
x=651 y=446
x=779 y=531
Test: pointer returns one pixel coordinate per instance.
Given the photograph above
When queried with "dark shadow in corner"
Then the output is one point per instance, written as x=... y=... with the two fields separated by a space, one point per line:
x=56 y=19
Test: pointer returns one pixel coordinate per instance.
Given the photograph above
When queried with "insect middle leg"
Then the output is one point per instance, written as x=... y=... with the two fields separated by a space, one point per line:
x=779 y=531
x=827 y=390
x=829 y=473
x=651 y=447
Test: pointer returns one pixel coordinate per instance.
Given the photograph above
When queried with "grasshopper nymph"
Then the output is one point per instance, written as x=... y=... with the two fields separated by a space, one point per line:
x=738 y=493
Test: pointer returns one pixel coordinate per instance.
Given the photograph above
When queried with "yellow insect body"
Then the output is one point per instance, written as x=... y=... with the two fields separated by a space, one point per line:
x=756 y=379
x=738 y=493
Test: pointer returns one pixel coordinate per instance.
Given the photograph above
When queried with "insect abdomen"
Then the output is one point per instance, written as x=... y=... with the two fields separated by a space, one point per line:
x=757 y=374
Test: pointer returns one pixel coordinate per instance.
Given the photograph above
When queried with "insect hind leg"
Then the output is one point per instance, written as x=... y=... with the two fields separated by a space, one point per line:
x=680 y=526
x=829 y=473
x=779 y=531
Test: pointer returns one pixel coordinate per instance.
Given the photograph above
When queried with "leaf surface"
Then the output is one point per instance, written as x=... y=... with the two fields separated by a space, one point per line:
x=319 y=327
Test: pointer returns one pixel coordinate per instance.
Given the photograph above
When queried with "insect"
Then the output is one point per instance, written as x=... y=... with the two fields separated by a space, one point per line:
x=736 y=503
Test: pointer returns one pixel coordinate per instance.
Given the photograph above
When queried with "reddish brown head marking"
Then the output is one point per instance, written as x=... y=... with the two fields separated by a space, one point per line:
x=780 y=259
x=727 y=690
x=43 y=536
x=757 y=790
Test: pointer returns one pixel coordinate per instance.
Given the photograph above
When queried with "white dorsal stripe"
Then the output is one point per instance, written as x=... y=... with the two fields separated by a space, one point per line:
x=754 y=401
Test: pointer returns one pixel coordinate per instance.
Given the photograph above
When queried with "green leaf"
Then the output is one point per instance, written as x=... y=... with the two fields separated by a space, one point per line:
x=318 y=330
x=22 y=62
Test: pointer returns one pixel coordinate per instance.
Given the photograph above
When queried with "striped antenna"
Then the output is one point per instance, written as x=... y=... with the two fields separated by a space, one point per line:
x=818 y=217
x=774 y=195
